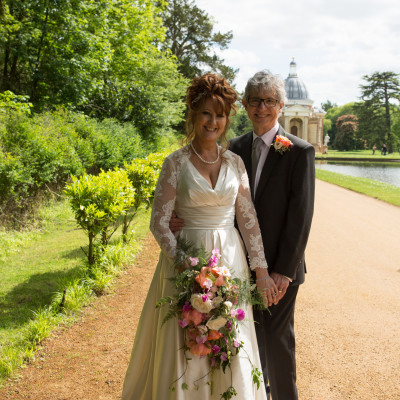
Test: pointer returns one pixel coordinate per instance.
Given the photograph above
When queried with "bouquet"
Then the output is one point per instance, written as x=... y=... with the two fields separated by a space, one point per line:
x=207 y=309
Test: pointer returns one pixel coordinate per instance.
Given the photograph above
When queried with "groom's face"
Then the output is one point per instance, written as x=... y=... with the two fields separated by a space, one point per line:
x=262 y=116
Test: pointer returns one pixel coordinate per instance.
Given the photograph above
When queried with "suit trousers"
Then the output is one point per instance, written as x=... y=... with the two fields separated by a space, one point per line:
x=276 y=343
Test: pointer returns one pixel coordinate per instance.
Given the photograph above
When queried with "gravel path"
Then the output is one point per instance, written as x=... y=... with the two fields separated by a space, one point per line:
x=347 y=318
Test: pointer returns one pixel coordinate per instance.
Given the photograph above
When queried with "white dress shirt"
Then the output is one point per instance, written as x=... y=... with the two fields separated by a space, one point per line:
x=267 y=138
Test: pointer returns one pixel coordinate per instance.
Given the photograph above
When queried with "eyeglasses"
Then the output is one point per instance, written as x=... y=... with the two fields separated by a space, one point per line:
x=256 y=102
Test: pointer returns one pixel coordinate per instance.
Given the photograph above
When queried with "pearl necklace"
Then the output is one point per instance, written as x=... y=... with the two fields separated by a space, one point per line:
x=201 y=158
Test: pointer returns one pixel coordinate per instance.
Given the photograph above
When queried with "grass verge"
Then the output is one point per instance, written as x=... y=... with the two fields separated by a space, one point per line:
x=46 y=281
x=378 y=190
x=358 y=154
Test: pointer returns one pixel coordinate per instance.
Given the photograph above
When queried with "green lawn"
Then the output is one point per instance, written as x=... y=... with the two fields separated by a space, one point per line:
x=36 y=270
x=370 y=187
x=357 y=154
x=32 y=275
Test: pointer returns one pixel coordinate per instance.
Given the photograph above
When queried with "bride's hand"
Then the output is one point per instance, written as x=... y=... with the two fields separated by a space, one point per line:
x=182 y=267
x=268 y=290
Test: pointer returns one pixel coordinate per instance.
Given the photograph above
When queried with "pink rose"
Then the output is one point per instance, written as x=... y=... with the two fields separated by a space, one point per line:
x=240 y=314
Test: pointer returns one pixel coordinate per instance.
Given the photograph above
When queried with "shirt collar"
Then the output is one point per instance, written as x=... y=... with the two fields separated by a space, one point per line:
x=268 y=137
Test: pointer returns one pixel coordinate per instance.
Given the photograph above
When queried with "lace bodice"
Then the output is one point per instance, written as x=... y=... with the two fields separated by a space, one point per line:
x=182 y=188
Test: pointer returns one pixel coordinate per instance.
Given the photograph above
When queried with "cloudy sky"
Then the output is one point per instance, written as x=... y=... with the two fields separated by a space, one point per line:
x=334 y=43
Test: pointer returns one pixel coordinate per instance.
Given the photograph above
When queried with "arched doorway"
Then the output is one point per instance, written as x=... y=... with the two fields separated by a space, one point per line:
x=296 y=127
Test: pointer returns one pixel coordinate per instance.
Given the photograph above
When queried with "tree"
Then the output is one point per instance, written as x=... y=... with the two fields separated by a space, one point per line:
x=376 y=110
x=142 y=83
x=332 y=116
x=100 y=57
x=190 y=37
x=52 y=51
x=327 y=105
x=240 y=123
x=346 y=138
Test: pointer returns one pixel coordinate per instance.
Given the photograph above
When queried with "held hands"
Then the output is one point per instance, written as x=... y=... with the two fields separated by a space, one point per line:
x=268 y=289
x=282 y=283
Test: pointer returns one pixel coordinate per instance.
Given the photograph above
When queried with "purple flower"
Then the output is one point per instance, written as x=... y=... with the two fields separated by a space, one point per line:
x=240 y=314
x=201 y=339
x=236 y=342
x=182 y=322
x=216 y=253
x=193 y=261
x=213 y=261
x=187 y=307
x=204 y=298
x=229 y=325
x=215 y=349
x=223 y=356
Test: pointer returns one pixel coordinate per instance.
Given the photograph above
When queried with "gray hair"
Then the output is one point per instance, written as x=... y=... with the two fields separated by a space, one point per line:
x=266 y=80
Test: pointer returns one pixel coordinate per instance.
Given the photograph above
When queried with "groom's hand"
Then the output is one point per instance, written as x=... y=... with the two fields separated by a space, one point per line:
x=175 y=223
x=282 y=283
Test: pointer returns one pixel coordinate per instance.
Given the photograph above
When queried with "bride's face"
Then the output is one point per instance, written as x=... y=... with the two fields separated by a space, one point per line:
x=210 y=122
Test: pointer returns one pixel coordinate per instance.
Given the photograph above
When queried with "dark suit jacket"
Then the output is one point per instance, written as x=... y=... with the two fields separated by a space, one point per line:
x=284 y=202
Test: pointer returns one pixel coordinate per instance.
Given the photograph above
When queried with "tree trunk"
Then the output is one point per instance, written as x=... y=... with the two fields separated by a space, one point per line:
x=91 y=250
x=388 y=122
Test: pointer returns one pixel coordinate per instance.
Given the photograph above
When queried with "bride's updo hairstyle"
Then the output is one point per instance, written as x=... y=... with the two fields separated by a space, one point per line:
x=214 y=87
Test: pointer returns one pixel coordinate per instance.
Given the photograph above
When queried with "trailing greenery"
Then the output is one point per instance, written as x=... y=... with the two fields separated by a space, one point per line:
x=378 y=190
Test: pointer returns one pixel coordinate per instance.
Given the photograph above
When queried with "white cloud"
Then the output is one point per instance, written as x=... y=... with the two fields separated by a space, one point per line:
x=335 y=43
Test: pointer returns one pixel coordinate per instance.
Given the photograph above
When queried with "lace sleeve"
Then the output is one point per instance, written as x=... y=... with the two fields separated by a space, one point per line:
x=247 y=221
x=163 y=205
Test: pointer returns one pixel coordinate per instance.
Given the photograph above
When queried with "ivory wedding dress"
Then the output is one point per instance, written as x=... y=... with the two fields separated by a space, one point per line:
x=157 y=358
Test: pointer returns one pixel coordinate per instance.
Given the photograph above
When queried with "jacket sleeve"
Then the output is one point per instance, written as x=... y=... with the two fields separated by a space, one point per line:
x=300 y=211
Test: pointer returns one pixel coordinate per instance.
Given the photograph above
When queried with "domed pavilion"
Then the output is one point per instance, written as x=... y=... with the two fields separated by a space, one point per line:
x=299 y=117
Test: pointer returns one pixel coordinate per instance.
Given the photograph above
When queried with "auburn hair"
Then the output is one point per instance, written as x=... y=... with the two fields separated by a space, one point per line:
x=209 y=87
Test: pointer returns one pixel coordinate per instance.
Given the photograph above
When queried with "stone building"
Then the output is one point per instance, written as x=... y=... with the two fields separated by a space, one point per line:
x=299 y=117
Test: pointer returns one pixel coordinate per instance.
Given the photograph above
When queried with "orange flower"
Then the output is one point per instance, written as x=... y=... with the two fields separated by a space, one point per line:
x=283 y=140
x=220 y=281
x=193 y=316
x=200 y=349
x=192 y=333
x=203 y=277
x=214 y=335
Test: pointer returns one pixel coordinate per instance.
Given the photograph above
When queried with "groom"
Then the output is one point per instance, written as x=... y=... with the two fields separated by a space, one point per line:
x=282 y=185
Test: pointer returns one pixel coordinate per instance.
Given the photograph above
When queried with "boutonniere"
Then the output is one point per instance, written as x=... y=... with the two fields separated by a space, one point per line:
x=282 y=144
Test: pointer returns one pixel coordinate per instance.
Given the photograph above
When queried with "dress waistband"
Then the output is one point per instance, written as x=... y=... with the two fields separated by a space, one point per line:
x=210 y=218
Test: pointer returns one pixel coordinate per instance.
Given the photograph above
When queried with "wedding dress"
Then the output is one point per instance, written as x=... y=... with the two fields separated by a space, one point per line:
x=157 y=359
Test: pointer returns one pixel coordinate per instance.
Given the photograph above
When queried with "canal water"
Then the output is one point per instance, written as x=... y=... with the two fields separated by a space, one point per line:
x=388 y=172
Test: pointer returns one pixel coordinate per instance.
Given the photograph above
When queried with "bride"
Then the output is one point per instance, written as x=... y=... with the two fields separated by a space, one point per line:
x=207 y=186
